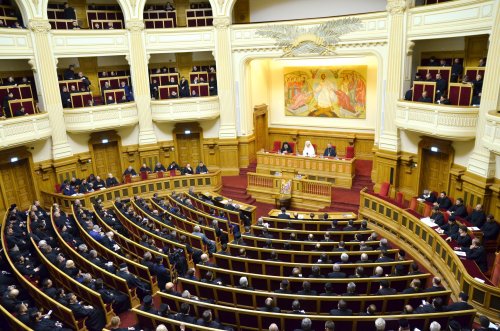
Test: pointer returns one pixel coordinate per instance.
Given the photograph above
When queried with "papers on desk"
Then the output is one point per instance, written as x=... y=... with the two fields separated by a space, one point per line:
x=428 y=221
x=346 y=215
x=439 y=230
x=473 y=228
x=420 y=199
x=224 y=202
x=301 y=217
x=460 y=253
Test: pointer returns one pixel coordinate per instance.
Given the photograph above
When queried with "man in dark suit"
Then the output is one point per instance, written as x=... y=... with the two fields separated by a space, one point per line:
x=485 y=324
x=461 y=304
x=458 y=209
x=183 y=314
x=132 y=281
x=306 y=289
x=490 y=229
x=425 y=98
x=385 y=288
x=184 y=88
x=283 y=214
x=341 y=309
x=443 y=201
x=305 y=325
x=212 y=86
x=5 y=104
x=69 y=73
x=428 y=308
x=409 y=94
x=477 y=217
x=441 y=86
x=330 y=151
x=427 y=196
x=69 y=12
x=269 y=306
x=336 y=272
x=206 y=320
x=437 y=216
x=456 y=70
x=462 y=238
x=450 y=228
x=284 y=287
x=436 y=286
x=95 y=318
x=384 y=257
x=415 y=287
x=477 y=253
x=111 y=181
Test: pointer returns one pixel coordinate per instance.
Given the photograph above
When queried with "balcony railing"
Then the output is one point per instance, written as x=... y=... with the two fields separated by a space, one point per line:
x=491 y=137
x=447 y=122
x=21 y=130
x=101 y=117
x=185 y=109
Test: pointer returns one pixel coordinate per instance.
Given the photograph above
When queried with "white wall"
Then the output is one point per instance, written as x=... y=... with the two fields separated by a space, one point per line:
x=497 y=166
x=409 y=141
x=463 y=149
x=284 y=10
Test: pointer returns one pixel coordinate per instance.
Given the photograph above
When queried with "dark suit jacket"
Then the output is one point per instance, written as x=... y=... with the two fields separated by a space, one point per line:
x=339 y=312
x=386 y=291
x=456 y=306
x=284 y=216
x=270 y=310
x=337 y=274
x=444 y=203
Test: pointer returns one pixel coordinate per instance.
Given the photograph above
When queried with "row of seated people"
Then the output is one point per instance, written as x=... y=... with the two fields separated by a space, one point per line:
x=204 y=261
x=311 y=150
x=63 y=16
x=196 y=69
x=92 y=183
x=440 y=82
x=20 y=248
x=168 y=86
x=17 y=95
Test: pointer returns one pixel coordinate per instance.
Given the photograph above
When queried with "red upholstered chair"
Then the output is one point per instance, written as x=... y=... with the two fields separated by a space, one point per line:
x=144 y=175
x=413 y=204
x=315 y=148
x=160 y=174
x=58 y=188
x=349 y=152
x=276 y=146
x=292 y=146
x=384 y=189
x=399 y=198
x=172 y=173
x=128 y=179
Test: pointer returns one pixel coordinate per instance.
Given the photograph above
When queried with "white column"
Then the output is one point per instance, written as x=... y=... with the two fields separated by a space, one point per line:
x=46 y=75
x=225 y=79
x=138 y=61
x=482 y=161
x=389 y=139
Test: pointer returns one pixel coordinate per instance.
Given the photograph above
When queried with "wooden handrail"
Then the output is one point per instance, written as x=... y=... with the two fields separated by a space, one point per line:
x=436 y=254
x=211 y=181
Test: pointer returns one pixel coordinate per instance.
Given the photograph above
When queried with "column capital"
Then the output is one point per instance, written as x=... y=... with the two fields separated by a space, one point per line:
x=135 y=25
x=222 y=22
x=396 y=7
x=39 y=26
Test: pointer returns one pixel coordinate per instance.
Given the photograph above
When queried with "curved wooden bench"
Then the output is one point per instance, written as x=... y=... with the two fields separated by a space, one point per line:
x=312 y=304
x=272 y=283
x=278 y=268
x=305 y=224
x=251 y=320
x=59 y=277
x=258 y=253
x=135 y=268
x=284 y=234
x=109 y=279
x=62 y=312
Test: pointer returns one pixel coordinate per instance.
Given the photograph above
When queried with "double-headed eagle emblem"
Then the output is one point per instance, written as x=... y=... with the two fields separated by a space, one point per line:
x=319 y=39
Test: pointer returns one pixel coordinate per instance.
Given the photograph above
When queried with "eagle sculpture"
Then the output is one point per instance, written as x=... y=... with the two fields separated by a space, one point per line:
x=319 y=39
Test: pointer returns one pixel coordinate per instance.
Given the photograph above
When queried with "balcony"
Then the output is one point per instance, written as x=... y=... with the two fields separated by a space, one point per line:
x=22 y=130
x=187 y=109
x=446 y=122
x=89 y=42
x=491 y=137
x=180 y=39
x=101 y=117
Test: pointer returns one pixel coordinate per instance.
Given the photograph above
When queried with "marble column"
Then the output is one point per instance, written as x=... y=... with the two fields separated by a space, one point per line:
x=138 y=60
x=228 y=142
x=44 y=64
x=482 y=161
x=389 y=139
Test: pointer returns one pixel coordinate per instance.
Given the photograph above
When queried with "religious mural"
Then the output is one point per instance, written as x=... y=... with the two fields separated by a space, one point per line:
x=326 y=91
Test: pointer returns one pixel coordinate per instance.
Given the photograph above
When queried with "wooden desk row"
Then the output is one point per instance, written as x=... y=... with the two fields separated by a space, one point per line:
x=146 y=188
x=338 y=172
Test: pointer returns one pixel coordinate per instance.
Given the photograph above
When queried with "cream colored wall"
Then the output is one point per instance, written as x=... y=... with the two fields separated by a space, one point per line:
x=259 y=80
x=463 y=149
x=276 y=96
x=283 y=10
x=409 y=141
